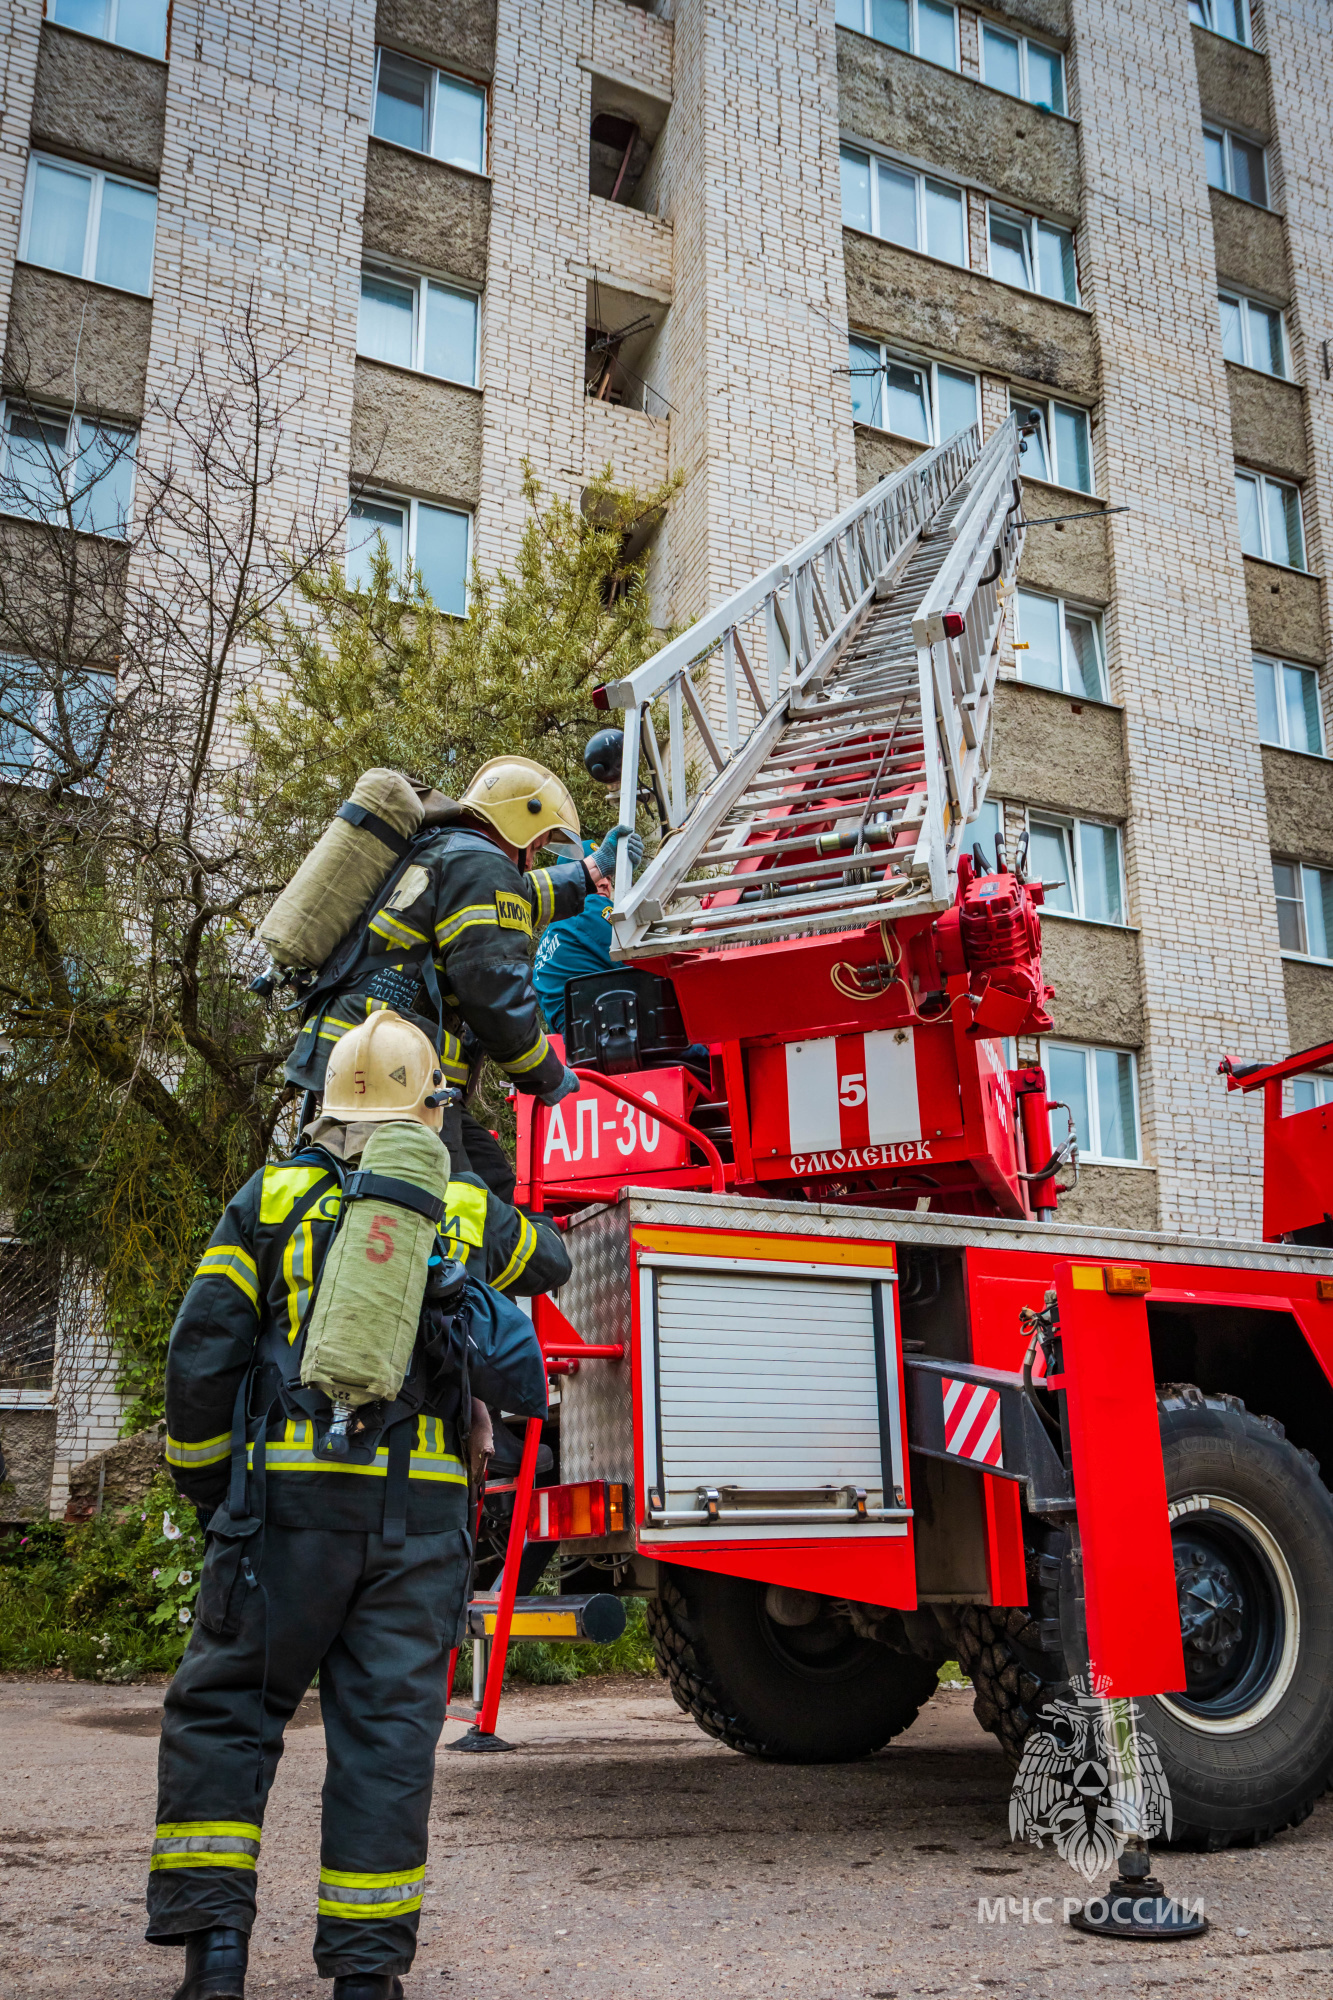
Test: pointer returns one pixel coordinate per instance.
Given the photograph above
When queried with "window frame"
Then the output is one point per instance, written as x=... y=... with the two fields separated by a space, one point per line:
x=1243 y=299
x=1071 y=824
x=401 y=275
x=381 y=496
x=920 y=176
x=913 y=34
x=1279 y=742
x=1303 y=952
x=1322 y=1087
x=113 y=15
x=1210 y=27
x=43 y=764
x=1030 y=224
x=1088 y=1050
x=99 y=177
x=1063 y=604
x=1227 y=136
x=1261 y=481
x=1023 y=40
x=436 y=71
x=930 y=369
x=71 y=419
x=1047 y=405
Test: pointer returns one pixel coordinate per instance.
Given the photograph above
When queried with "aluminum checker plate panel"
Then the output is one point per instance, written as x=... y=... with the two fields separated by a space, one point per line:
x=596 y=1405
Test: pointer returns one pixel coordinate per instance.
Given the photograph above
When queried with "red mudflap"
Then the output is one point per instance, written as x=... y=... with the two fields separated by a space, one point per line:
x=1129 y=1574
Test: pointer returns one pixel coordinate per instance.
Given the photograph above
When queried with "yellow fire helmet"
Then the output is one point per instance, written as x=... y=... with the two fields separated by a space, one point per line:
x=383 y=1069
x=522 y=800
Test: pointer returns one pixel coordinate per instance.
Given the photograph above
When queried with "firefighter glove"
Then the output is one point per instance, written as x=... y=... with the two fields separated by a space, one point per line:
x=566 y=1087
x=602 y=863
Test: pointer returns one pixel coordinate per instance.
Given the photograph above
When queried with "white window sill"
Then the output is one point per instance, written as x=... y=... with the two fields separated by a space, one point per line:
x=116 y=291
x=1031 y=292
x=926 y=257
x=1244 y=199
x=1093 y=923
x=1315 y=756
x=62 y=527
x=1077 y=492
x=1271 y=562
x=1063 y=694
x=418 y=374
x=415 y=153
x=1264 y=374
x=1096 y=1160
x=102 y=42
x=1304 y=958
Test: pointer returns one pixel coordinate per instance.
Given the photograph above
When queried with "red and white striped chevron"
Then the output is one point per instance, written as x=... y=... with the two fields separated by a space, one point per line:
x=972 y=1422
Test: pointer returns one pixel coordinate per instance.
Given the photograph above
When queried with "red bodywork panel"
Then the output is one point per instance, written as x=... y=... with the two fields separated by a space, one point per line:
x=1298 y=1150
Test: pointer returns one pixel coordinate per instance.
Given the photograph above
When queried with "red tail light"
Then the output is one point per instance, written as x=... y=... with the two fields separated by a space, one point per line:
x=577 y=1512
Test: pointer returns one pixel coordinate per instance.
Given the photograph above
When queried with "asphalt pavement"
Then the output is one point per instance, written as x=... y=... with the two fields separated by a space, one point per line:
x=618 y=1852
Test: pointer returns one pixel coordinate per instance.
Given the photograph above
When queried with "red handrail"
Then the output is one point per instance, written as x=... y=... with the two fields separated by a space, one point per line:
x=536 y=1170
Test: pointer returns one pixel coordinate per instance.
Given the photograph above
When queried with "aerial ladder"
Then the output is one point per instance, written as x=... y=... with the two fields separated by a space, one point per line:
x=816 y=748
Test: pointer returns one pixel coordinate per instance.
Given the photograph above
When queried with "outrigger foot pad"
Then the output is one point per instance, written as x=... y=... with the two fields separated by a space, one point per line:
x=474 y=1740
x=1138 y=1907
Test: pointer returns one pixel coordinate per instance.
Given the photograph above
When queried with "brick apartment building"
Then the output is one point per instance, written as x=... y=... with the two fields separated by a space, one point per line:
x=824 y=234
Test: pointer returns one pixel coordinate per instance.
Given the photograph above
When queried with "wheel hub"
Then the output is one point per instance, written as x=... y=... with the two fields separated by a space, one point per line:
x=1212 y=1608
x=1239 y=1619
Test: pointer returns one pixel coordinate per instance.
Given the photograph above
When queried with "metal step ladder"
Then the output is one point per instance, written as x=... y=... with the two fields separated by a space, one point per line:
x=827 y=729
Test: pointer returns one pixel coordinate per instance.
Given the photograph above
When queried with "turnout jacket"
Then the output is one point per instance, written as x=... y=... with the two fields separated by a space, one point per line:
x=448 y=944
x=499 y=1243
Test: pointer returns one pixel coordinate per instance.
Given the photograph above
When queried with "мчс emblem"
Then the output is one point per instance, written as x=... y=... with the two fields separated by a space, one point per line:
x=1089 y=1779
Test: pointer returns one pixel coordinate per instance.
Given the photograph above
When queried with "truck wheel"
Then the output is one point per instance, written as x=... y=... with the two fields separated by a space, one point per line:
x=812 y=1693
x=1248 y=1746
x=1014 y=1657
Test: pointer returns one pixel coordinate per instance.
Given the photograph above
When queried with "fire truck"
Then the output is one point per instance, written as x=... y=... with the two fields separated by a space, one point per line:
x=834 y=1387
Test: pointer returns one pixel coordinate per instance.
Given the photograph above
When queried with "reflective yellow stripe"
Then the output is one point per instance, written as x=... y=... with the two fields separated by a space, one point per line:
x=543 y=888
x=430 y=1460
x=450 y=929
x=522 y=1256
x=228 y=1260
x=519 y=1065
x=340 y=1878
x=206 y=1451
x=404 y=1908
x=343 y=1893
x=283 y=1188
x=332 y=1028
x=206 y=1843
x=298 y=1263
x=384 y=924
x=465 y=1212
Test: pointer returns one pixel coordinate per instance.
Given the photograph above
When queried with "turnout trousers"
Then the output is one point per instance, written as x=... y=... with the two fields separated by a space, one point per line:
x=377 y=1623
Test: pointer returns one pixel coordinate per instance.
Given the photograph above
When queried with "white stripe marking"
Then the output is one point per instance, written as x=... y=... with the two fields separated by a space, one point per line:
x=891 y=1095
x=812 y=1095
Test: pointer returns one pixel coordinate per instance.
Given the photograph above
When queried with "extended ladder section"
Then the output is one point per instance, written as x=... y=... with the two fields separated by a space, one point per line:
x=819 y=742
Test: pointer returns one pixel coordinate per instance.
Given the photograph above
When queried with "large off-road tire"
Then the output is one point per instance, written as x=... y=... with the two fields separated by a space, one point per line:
x=808 y=1694
x=1247 y=1749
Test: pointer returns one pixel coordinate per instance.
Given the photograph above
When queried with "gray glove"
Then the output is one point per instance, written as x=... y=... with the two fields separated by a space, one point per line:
x=603 y=861
x=566 y=1087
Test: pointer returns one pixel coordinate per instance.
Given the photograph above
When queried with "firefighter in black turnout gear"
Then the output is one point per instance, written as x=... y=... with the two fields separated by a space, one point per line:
x=353 y=1566
x=448 y=939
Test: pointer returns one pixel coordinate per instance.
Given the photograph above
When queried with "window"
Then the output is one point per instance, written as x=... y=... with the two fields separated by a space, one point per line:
x=1037 y=255
x=432 y=113
x=1304 y=908
x=1270 y=519
x=1235 y=165
x=1252 y=334
x=1225 y=17
x=1308 y=1092
x=1058 y=646
x=1101 y=1089
x=67 y=471
x=1287 y=701
x=416 y=323
x=34 y=742
x=917 y=399
x=923 y=27
x=1021 y=68
x=902 y=207
x=985 y=832
x=1084 y=856
x=1058 y=448
x=433 y=540
x=89 y=224
x=134 y=24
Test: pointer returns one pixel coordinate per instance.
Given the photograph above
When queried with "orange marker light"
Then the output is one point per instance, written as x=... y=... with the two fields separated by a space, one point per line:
x=1323 y=1288
x=1129 y=1280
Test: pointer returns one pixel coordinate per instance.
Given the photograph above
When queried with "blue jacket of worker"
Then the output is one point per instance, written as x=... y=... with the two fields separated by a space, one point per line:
x=572 y=948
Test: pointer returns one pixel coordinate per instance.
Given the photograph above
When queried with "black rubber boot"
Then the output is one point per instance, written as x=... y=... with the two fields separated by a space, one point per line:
x=368 y=1986
x=215 y=1963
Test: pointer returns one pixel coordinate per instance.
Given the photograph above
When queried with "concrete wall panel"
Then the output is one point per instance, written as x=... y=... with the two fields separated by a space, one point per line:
x=1268 y=422
x=416 y=435
x=453 y=34
x=426 y=212
x=877 y=454
x=99 y=103
x=1300 y=805
x=953 y=122
x=1094 y=969
x=1286 y=614
x=964 y=315
x=28 y=1441
x=1233 y=84
x=1309 y=1003
x=1047 y=755
x=1249 y=246
x=1113 y=1197
x=1072 y=559
x=73 y=342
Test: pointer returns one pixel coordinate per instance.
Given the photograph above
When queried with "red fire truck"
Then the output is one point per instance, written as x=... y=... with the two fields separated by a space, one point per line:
x=838 y=1392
